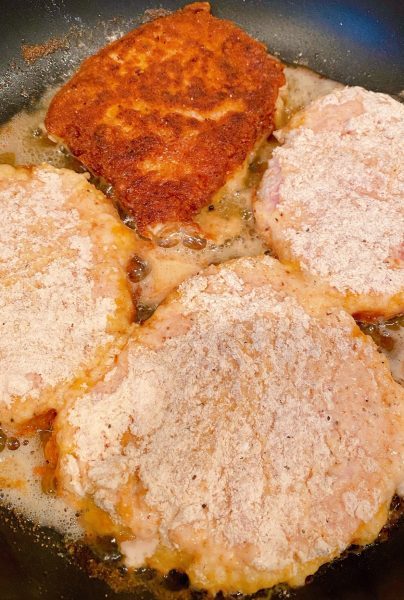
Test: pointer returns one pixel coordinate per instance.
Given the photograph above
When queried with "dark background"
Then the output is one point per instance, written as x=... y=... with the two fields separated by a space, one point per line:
x=353 y=41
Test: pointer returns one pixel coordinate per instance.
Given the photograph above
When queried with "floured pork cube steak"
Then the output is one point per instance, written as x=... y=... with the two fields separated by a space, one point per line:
x=65 y=306
x=169 y=112
x=240 y=437
x=332 y=199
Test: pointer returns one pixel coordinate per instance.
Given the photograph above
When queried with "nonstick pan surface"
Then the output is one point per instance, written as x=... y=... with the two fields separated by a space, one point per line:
x=358 y=42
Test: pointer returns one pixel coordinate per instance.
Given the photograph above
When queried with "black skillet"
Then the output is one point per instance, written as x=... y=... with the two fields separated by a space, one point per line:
x=353 y=41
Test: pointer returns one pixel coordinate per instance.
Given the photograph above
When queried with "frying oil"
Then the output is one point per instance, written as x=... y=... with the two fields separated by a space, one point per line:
x=227 y=225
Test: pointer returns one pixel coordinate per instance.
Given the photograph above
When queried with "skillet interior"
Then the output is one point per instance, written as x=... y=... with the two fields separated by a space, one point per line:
x=356 y=42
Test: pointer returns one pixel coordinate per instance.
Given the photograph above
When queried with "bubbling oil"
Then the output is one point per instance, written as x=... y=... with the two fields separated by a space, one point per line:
x=21 y=489
x=224 y=230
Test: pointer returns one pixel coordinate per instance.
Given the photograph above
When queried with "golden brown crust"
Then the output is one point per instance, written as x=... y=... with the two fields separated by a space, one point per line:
x=169 y=111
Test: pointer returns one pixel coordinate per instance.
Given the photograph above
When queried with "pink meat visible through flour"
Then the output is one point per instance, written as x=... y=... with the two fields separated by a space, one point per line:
x=246 y=369
x=331 y=201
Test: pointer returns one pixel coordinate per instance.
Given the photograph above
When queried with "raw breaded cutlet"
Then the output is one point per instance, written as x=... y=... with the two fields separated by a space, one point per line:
x=65 y=304
x=248 y=433
x=331 y=200
x=168 y=112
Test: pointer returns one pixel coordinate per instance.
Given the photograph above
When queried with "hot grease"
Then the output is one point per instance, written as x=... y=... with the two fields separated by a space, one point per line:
x=21 y=489
x=227 y=225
